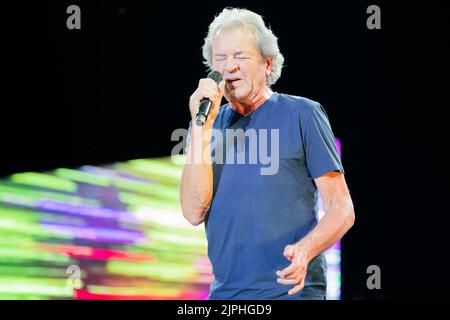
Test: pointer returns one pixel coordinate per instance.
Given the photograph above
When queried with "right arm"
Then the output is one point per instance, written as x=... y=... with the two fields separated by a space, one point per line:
x=196 y=186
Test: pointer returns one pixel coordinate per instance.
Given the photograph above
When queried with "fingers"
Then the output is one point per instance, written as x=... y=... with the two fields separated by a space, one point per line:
x=295 y=273
x=289 y=270
x=291 y=273
x=207 y=82
x=295 y=278
x=297 y=288
x=207 y=88
x=289 y=251
x=221 y=86
x=290 y=281
x=201 y=93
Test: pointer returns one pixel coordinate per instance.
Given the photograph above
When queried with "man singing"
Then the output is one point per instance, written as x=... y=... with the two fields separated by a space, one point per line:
x=264 y=237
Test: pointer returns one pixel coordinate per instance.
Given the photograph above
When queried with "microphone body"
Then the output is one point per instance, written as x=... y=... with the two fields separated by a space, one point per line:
x=205 y=103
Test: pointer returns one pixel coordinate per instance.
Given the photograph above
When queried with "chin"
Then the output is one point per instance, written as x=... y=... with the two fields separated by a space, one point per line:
x=237 y=96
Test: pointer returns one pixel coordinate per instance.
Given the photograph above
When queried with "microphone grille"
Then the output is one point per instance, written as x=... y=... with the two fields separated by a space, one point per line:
x=215 y=75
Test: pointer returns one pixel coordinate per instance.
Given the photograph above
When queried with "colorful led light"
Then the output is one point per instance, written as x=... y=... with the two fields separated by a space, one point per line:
x=121 y=224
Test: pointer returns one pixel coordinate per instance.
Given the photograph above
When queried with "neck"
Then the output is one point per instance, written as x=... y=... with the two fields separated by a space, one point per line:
x=253 y=103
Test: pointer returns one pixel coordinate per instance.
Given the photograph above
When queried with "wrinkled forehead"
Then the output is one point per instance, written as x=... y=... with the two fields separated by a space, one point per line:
x=234 y=39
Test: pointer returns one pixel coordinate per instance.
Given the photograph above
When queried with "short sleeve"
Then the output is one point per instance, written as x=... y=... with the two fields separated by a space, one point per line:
x=320 y=144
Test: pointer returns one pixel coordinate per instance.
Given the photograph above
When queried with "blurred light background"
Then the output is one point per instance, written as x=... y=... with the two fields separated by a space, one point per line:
x=120 y=225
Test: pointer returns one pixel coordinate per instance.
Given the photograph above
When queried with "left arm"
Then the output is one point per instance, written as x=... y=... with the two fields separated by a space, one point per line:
x=338 y=219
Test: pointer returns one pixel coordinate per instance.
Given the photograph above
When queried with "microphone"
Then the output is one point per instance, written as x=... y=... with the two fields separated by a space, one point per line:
x=205 y=103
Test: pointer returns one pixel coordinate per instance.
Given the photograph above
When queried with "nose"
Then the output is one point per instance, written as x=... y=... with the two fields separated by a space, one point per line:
x=231 y=65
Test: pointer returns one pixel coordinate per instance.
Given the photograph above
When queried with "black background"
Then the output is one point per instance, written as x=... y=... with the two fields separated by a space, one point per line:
x=116 y=89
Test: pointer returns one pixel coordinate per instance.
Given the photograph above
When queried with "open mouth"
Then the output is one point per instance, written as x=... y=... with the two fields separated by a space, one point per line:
x=233 y=80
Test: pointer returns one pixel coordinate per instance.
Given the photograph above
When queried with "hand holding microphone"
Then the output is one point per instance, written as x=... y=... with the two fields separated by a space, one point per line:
x=205 y=101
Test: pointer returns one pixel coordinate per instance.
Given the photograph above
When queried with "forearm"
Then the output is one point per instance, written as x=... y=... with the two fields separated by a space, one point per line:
x=197 y=178
x=338 y=219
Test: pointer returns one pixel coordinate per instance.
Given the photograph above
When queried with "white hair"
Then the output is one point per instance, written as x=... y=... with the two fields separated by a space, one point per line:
x=266 y=41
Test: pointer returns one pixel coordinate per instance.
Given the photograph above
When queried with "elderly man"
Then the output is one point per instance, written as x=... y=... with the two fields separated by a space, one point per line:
x=264 y=237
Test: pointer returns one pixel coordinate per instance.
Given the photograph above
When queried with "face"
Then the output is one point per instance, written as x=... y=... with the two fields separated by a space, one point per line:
x=236 y=56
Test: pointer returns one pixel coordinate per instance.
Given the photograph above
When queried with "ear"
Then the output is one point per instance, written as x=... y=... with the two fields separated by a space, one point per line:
x=269 y=62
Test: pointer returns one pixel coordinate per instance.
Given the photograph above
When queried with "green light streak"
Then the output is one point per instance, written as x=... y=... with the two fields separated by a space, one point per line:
x=196 y=242
x=45 y=181
x=157 y=190
x=29 y=271
x=161 y=290
x=160 y=271
x=35 y=286
x=23 y=296
x=158 y=249
x=144 y=201
x=23 y=225
x=11 y=254
x=155 y=169
x=83 y=177
x=188 y=232
x=19 y=215
x=33 y=196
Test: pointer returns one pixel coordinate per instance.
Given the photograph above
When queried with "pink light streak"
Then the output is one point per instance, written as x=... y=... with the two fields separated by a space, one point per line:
x=93 y=253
